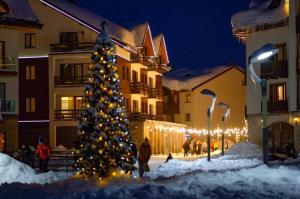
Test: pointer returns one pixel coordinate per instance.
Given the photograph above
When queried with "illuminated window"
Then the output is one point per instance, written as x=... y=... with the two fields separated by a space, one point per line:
x=278 y=92
x=135 y=107
x=125 y=73
x=30 y=72
x=30 y=104
x=30 y=40
x=71 y=103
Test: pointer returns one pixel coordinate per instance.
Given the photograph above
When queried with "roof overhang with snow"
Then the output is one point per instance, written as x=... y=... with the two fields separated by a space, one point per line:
x=267 y=15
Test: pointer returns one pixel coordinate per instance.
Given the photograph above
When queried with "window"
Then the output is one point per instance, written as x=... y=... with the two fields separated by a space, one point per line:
x=30 y=72
x=125 y=73
x=187 y=117
x=71 y=38
x=150 y=82
x=2 y=90
x=30 y=40
x=30 y=104
x=281 y=55
x=278 y=92
x=135 y=108
x=71 y=103
x=187 y=98
x=134 y=76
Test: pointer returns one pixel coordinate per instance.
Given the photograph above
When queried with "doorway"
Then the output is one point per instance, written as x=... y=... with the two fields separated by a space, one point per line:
x=2 y=141
x=280 y=133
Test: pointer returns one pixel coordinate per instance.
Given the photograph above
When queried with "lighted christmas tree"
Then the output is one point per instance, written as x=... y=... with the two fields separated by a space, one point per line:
x=104 y=142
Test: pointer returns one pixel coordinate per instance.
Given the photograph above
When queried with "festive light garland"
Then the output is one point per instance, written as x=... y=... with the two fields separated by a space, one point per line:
x=184 y=130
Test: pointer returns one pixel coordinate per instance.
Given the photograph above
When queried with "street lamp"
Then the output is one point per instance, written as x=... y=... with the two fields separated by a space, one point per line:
x=259 y=55
x=224 y=116
x=210 y=109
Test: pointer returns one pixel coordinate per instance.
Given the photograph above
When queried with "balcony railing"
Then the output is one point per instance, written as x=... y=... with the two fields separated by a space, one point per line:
x=155 y=93
x=136 y=117
x=60 y=81
x=274 y=70
x=84 y=46
x=139 y=88
x=8 y=64
x=278 y=106
x=8 y=106
x=66 y=115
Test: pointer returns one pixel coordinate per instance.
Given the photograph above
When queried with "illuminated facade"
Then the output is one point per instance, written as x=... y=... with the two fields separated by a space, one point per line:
x=53 y=61
x=278 y=24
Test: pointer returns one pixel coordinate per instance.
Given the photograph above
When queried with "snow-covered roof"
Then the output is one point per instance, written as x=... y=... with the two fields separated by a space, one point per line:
x=91 y=19
x=156 y=42
x=19 y=11
x=269 y=13
x=184 y=79
x=139 y=32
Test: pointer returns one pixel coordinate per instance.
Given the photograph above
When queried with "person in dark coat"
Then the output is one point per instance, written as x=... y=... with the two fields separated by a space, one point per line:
x=199 y=151
x=143 y=157
x=194 y=147
x=27 y=155
x=43 y=152
x=186 y=147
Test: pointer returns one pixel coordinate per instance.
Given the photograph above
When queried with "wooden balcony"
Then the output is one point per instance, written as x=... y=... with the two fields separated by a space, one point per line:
x=66 y=115
x=84 y=46
x=76 y=81
x=274 y=70
x=139 y=88
x=155 y=93
x=8 y=106
x=8 y=66
x=278 y=106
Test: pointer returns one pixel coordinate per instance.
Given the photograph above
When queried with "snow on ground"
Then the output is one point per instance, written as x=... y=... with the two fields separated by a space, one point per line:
x=223 y=177
x=12 y=170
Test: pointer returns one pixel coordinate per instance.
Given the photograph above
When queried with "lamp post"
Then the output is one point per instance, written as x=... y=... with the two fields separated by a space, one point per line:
x=258 y=56
x=224 y=116
x=209 y=111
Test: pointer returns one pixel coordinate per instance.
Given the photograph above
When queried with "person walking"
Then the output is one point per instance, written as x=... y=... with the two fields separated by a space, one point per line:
x=194 y=148
x=186 y=148
x=199 y=152
x=43 y=152
x=143 y=157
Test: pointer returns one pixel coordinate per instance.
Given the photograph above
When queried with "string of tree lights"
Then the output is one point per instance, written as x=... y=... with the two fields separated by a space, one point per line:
x=104 y=144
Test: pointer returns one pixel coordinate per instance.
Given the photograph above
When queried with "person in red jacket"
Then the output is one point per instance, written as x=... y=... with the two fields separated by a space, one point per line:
x=43 y=152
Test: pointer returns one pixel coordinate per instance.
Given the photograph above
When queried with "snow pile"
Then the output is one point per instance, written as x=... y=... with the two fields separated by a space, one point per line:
x=12 y=170
x=178 y=167
x=260 y=183
x=244 y=150
x=60 y=148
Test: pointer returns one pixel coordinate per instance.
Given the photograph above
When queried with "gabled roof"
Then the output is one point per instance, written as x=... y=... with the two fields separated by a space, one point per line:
x=139 y=32
x=90 y=20
x=260 y=16
x=20 y=14
x=160 y=43
x=183 y=80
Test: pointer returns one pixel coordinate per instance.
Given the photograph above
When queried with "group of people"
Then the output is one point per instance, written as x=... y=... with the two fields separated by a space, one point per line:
x=43 y=152
x=197 y=148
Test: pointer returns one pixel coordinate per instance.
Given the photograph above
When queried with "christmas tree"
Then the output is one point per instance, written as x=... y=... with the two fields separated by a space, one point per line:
x=104 y=143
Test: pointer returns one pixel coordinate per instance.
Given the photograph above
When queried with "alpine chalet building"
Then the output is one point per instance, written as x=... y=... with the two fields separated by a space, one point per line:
x=280 y=19
x=53 y=60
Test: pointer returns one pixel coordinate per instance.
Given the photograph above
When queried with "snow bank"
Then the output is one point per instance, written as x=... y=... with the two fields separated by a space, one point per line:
x=12 y=170
x=245 y=150
x=260 y=183
x=178 y=167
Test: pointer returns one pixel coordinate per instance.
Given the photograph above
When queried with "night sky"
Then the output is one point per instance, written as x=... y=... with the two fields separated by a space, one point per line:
x=198 y=32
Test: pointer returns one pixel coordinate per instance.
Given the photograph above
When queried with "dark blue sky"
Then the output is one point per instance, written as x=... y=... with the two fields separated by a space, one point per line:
x=198 y=32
